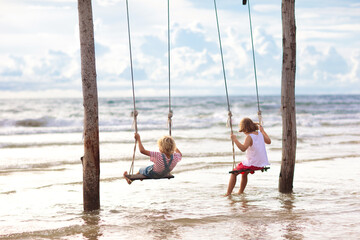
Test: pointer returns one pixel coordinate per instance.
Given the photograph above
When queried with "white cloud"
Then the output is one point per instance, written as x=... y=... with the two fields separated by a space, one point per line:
x=40 y=46
x=107 y=3
x=328 y=69
x=353 y=77
x=267 y=8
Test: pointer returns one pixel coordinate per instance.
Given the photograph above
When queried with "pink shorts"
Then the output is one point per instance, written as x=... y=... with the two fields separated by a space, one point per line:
x=240 y=166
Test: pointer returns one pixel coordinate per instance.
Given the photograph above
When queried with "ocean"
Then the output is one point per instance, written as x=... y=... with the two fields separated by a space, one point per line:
x=41 y=143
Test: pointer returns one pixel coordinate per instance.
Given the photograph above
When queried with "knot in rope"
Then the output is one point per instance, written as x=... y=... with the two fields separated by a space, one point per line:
x=134 y=113
x=170 y=115
x=260 y=118
x=134 y=124
x=228 y=123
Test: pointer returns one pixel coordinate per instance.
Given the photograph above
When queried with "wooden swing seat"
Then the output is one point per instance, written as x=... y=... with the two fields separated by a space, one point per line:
x=249 y=170
x=139 y=176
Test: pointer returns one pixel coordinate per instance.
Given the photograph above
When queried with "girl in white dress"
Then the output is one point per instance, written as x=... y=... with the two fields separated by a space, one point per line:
x=256 y=157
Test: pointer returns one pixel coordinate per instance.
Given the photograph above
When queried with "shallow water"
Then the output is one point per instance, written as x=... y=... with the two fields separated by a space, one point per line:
x=41 y=174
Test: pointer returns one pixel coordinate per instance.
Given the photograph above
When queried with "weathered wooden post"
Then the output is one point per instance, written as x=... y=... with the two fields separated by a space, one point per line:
x=288 y=97
x=91 y=159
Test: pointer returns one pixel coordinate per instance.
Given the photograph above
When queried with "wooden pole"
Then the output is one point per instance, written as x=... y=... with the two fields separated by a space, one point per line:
x=91 y=162
x=288 y=97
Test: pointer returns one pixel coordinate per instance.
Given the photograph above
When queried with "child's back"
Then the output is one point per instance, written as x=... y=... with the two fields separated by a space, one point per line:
x=157 y=159
x=256 y=153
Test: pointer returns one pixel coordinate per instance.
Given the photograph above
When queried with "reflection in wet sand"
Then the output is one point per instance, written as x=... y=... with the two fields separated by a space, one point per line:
x=91 y=229
x=292 y=227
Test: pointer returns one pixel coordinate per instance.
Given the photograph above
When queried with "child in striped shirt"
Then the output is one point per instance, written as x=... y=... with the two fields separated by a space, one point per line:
x=164 y=161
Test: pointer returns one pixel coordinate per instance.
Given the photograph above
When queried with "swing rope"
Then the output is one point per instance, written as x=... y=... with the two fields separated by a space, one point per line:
x=229 y=121
x=134 y=114
x=254 y=64
x=170 y=114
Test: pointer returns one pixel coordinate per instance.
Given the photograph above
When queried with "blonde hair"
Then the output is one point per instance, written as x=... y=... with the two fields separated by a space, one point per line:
x=247 y=126
x=167 y=145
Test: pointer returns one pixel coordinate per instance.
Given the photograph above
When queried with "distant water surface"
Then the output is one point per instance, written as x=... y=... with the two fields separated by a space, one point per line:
x=41 y=174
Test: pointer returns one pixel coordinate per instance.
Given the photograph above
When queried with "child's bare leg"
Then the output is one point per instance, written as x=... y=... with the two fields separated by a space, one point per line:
x=231 y=185
x=243 y=182
x=127 y=179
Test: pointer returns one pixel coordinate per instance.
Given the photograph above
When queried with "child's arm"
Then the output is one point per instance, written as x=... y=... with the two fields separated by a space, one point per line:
x=267 y=139
x=141 y=147
x=244 y=146
x=178 y=151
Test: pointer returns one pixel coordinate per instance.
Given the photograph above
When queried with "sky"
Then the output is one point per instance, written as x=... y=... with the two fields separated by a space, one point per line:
x=40 y=48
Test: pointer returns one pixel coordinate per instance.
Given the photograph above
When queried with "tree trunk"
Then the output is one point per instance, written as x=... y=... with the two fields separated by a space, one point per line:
x=288 y=97
x=91 y=162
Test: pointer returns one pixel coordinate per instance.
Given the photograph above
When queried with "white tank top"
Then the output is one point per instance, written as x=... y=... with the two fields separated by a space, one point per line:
x=256 y=153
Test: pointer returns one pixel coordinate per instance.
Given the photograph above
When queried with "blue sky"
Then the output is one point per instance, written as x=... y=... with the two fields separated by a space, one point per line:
x=40 y=56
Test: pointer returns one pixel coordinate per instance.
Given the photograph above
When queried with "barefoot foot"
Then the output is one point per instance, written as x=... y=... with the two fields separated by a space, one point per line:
x=127 y=179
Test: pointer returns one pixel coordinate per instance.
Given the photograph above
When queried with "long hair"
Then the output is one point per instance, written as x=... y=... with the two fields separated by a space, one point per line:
x=167 y=145
x=247 y=126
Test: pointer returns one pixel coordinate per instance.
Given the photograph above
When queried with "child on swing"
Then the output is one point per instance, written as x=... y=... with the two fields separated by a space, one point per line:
x=256 y=157
x=164 y=161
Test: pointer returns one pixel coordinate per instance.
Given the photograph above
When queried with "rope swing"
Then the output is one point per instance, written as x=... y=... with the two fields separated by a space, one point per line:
x=170 y=114
x=135 y=112
x=251 y=170
x=229 y=121
x=254 y=63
